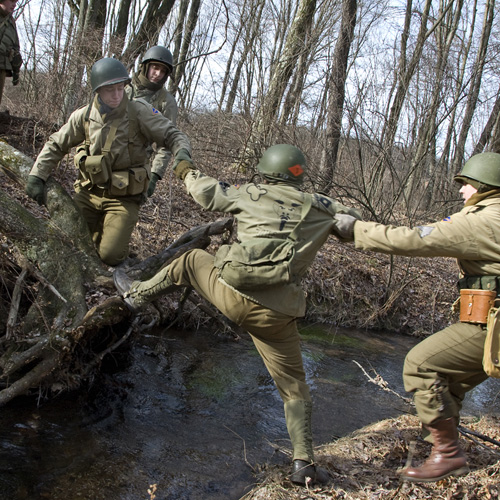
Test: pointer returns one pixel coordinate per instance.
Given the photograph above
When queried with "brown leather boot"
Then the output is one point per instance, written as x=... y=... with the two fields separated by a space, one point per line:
x=446 y=458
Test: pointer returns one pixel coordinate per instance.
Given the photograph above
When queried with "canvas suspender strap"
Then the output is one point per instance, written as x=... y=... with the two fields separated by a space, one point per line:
x=87 y=130
x=132 y=128
x=111 y=135
x=305 y=210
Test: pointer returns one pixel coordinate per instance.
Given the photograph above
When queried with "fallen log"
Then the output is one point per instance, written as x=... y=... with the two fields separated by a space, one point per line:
x=52 y=333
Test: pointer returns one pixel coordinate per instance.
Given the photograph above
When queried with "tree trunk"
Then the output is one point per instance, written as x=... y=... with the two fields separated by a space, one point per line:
x=156 y=14
x=282 y=72
x=336 y=84
x=180 y=67
x=252 y=29
x=475 y=84
x=424 y=153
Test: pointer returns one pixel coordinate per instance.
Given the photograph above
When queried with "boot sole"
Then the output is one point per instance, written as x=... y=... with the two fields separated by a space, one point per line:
x=457 y=472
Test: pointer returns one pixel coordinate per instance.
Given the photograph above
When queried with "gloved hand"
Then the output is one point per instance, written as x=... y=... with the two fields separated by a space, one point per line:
x=152 y=184
x=35 y=189
x=344 y=227
x=15 y=79
x=182 y=164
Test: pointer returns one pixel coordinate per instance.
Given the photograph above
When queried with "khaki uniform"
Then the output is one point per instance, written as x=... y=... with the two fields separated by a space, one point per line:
x=111 y=208
x=269 y=314
x=10 y=55
x=164 y=102
x=445 y=366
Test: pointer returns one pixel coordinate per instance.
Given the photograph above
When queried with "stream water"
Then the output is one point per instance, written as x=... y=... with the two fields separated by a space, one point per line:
x=193 y=413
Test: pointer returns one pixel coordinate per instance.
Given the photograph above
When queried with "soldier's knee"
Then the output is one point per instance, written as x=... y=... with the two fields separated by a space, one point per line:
x=112 y=256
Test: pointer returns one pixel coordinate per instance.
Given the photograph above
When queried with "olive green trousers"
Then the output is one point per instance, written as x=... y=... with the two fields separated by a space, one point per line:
x=441 y=369
x=274 y=334
x=111 y=222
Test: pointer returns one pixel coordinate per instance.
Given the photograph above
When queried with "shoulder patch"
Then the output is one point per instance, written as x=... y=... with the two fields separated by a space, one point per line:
x=424 y=230
x=447 y=219
x=155 y=111
x=324 y=200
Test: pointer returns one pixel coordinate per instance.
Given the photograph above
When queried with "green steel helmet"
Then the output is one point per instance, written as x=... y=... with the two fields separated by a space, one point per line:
x=283 y=162
x=481 y=170
x=159 y=54
x=108 y=71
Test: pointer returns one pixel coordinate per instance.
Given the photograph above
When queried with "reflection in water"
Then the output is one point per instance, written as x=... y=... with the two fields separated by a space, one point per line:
x=193 y=414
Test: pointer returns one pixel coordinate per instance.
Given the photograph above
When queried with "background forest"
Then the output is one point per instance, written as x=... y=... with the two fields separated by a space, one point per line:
x=386 y=98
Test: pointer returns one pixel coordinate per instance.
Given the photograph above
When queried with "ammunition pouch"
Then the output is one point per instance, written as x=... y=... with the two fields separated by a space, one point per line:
x=94 y=168
x=129 y=182
x=475 y=305
x=480 y=283
x=138 y=180
x=95 y=171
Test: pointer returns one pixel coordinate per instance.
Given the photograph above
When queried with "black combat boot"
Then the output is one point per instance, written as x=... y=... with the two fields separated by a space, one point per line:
x=307 y=473
x=298 y=422
x=124 y=284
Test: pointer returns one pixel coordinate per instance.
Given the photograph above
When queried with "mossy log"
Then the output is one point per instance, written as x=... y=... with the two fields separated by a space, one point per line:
x=50 y=268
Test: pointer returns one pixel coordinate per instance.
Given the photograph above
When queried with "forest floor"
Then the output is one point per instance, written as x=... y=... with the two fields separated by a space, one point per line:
x=345 y=287
x=365 y=464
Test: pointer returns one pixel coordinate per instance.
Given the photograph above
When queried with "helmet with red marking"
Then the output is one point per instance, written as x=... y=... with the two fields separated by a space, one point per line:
x=283 y=162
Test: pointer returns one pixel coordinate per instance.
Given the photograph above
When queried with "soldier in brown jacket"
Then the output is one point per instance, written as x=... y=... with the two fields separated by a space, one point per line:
x=445 y=366
x=112 y=135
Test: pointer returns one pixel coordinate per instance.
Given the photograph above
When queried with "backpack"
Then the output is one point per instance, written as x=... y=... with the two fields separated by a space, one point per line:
x=259 y=262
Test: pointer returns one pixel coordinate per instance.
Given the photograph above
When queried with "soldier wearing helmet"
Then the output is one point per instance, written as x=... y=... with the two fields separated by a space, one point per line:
x=256 y=282
x=445 y=366
x=111 y=135
x=149 y=84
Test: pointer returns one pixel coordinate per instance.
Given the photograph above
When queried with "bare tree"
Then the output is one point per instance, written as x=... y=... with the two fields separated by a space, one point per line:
x=156 y=14
x=490 y=135
x=251 y=29
x=336 y=85
x=190 y=25
x=423 y=167
x=268 y=108
x=475 y=84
